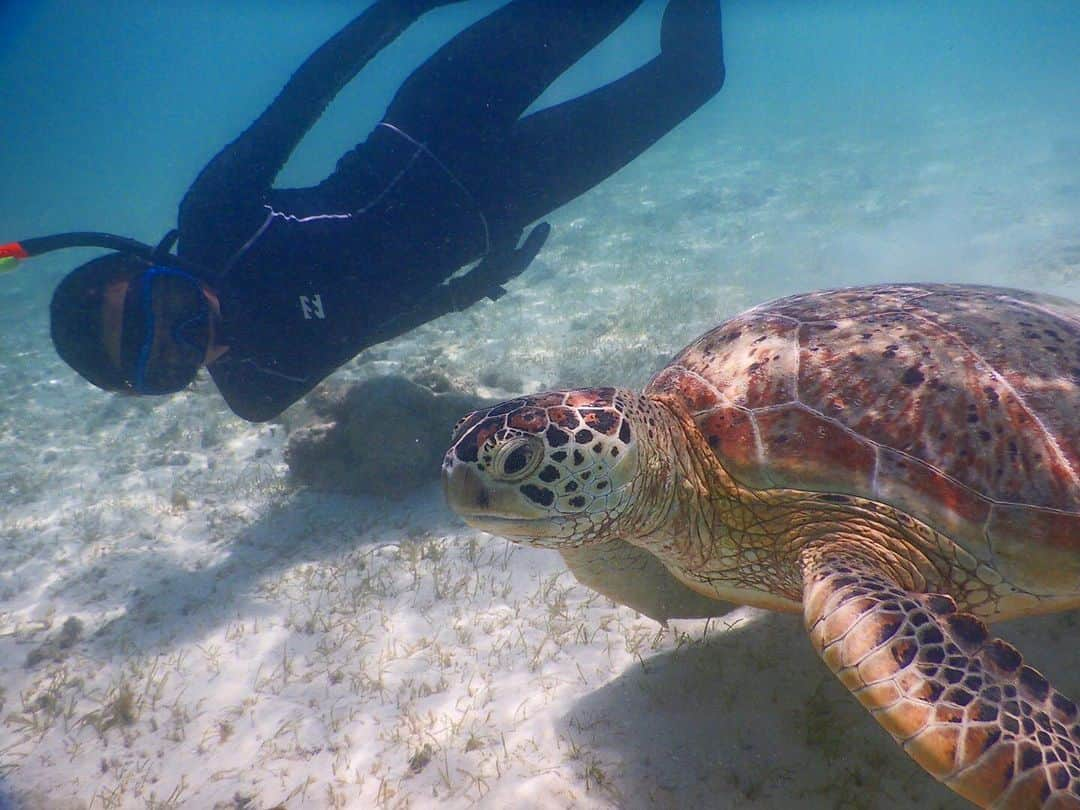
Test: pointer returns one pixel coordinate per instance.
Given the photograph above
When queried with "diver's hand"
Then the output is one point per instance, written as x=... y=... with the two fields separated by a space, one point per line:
x=457 y=294
x=497 y=268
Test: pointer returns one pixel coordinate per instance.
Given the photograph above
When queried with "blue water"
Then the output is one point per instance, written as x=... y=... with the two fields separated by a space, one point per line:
x=853 y=141
x=111 y=108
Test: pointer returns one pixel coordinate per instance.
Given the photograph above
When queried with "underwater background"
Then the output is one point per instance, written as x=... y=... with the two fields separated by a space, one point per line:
x=183 y=625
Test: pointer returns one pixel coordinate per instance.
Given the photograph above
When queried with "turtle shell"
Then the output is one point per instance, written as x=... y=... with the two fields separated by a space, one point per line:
x=957 y=404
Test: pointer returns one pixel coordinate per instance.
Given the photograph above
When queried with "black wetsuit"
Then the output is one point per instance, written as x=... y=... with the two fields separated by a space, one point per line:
x=309 y=277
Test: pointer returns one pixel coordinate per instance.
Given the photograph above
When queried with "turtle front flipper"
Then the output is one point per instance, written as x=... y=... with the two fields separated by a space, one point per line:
x=636 y=578
x=962 y=704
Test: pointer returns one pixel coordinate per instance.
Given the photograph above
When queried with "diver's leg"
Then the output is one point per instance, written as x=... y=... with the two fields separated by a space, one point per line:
x=466 y=99
x=478 y=84
x=560 y=152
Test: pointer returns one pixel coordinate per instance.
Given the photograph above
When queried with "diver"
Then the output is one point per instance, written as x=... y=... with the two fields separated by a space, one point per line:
x=272 y=289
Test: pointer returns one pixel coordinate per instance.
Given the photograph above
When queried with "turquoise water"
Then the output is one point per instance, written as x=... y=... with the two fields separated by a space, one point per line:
x=853 y=142
x=112 y=109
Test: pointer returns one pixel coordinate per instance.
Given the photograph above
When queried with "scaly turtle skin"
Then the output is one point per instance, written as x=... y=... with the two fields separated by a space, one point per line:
x=900 y=463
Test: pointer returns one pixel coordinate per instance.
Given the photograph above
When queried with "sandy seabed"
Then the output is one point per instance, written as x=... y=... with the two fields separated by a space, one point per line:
x=181 y=627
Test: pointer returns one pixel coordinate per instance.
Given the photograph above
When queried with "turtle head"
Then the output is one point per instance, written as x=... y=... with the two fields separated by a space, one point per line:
x=554 y=469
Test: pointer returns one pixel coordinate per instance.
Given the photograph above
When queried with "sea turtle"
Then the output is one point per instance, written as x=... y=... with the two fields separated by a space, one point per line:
x=900 y=463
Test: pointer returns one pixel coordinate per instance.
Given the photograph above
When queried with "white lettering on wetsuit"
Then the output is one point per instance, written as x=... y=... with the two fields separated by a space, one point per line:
x=312 y=307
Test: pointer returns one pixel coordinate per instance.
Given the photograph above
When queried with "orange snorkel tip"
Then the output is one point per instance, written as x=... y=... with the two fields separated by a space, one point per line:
x=10 y=254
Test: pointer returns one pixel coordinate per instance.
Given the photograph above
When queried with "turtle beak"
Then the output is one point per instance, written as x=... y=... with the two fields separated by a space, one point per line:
x=464 y=491
x=491 y=506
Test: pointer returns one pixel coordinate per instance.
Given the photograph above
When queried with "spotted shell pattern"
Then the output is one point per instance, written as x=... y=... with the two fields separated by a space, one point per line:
x=954 y=403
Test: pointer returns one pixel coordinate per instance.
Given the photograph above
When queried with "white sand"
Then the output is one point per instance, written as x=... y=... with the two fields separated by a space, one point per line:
x=244 y=645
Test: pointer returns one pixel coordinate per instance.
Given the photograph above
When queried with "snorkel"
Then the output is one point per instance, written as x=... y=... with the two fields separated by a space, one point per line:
x=14 y=252
x=10 y=256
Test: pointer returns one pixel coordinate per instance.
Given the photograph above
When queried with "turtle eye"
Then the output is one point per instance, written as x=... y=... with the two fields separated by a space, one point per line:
x=517 y=458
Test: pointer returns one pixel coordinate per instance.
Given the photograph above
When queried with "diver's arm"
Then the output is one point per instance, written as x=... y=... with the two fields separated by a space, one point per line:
x=250 y=163
x=459 y=293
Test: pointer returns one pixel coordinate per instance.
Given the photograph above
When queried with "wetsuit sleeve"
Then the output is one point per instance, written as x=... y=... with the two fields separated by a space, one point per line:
x=248 y=165
x=459 y=293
